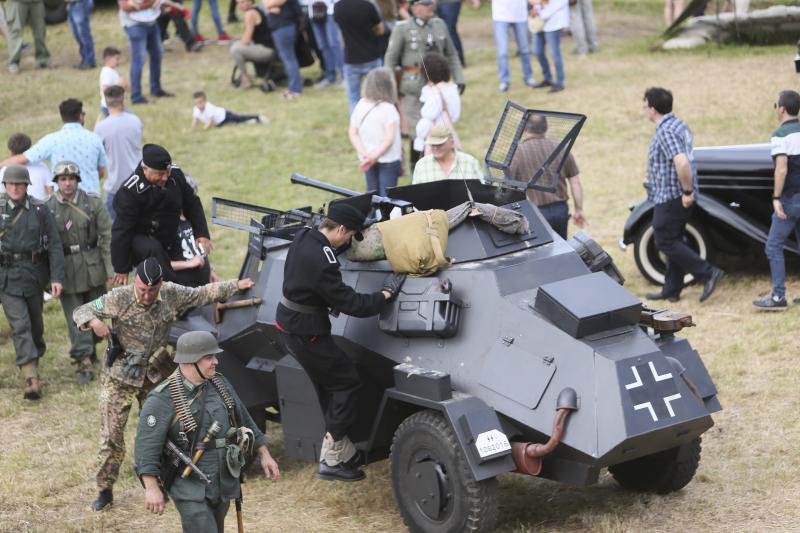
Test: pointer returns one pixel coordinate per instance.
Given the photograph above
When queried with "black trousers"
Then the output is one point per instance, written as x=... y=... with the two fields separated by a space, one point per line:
x=145 y=246
x=233 y=118
x=333 y=374
x=181 y=28
x=669 y=226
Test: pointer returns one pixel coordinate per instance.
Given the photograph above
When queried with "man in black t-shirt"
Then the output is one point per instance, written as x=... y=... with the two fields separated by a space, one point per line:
x=362 y=29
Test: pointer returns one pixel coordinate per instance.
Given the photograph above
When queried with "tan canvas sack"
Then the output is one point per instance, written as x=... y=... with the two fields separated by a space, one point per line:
x=415 y=243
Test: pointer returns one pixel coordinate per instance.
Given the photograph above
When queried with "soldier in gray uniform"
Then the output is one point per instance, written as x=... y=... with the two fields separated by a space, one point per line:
x=141 y=316
x=181 y=411
x=409 y=42
x=30 y=257
x=84 y=226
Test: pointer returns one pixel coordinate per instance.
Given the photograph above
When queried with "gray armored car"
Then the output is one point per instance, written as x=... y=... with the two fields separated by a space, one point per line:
x=525 y=355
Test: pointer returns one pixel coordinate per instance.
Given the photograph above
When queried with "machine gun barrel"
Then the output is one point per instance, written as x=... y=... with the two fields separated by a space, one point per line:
x=308 y=182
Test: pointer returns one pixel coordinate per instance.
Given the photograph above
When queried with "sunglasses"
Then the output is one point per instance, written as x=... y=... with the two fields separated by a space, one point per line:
x=63 y=169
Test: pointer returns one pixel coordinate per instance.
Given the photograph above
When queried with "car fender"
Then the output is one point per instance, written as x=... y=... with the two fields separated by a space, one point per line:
x=640 y=214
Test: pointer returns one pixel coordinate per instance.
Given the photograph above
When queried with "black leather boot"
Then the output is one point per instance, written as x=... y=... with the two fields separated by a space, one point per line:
x=103 y=501
x=340 y=472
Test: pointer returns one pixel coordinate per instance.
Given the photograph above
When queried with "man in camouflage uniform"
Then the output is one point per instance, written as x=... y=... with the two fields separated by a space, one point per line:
x=84 y=226
x=182 y=409
x=141 y=315
x=409 y=42
x=30 y=256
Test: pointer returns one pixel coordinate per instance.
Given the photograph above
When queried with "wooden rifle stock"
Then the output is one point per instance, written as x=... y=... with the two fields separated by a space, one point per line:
x=238 y=304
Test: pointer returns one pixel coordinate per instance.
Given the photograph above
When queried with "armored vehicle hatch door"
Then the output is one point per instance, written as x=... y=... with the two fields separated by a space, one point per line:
x=516 y=374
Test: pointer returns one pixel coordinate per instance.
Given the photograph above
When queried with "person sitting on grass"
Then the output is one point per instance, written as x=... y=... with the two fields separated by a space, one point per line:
x=210 y=115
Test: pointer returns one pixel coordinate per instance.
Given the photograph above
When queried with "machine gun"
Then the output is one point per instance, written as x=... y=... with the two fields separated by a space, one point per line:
x=179 y=457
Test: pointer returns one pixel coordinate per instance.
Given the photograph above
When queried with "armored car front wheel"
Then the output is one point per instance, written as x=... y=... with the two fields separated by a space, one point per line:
x=433 y=484
x=663 y=472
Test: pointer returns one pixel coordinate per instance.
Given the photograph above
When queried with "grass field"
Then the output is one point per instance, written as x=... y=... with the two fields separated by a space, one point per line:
x=747 y=479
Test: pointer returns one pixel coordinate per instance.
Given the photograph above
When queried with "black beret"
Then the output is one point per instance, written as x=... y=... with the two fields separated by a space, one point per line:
x=156 y=157
x=150 y=271
x=347 y=215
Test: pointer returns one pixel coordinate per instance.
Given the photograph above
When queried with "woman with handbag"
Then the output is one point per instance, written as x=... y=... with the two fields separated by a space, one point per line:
x=375 y=131
x=554 y=16
x=441 y=103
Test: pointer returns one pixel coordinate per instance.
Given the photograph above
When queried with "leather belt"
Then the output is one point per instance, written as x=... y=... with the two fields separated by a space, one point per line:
x=77 y=248
x=300 y=308
x=8 y=259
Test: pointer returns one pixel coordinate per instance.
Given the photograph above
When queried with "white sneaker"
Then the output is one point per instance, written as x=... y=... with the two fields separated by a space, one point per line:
x=503 y=88
x=322 y=84
x=263 y=119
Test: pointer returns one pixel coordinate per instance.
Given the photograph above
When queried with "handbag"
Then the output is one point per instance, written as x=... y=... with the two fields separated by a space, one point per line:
x=535 y=24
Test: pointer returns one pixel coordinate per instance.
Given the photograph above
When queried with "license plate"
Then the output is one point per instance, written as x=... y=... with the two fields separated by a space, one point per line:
x=491 y=443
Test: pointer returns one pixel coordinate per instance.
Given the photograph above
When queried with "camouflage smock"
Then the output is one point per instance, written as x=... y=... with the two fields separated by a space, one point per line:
x=142 y=330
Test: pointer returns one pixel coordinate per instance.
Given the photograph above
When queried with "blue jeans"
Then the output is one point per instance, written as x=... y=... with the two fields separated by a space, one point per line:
x=144 y=38
x=79 y=16
x=551 y=40
x=501 y=43
x=382 y=176
x=557 y=215
x=196 y=5
x=327 y=37
x=449 y=14
x=353 y=74
x=284 y=38
x=779 y=232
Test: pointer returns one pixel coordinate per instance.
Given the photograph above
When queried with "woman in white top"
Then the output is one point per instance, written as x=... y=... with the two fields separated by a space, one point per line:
x=441 y=103
x=555 y=15
x=375 y=131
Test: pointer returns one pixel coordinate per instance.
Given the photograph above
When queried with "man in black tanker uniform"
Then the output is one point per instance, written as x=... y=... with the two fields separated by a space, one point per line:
x=149 y=205
x=312 y=284
x=182 y=410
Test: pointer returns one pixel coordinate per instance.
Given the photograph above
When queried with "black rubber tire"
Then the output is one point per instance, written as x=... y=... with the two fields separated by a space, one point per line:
x=663 y=472
x=649 y=260
x=468 y=505
x=55 y=11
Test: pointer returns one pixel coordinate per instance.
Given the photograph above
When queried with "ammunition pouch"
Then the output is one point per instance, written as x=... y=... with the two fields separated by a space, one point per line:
x=171 y=467
x=78 y=248
x=134 y=366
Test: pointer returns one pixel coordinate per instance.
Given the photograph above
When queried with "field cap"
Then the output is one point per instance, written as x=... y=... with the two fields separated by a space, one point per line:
x=439 y=134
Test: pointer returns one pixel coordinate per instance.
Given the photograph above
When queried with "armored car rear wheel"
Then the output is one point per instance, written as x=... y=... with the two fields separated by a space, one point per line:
x=433 y=484
x=663 y=472
x=652 y=263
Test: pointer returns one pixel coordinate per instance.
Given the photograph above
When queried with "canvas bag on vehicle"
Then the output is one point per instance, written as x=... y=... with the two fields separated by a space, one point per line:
x=415 y=243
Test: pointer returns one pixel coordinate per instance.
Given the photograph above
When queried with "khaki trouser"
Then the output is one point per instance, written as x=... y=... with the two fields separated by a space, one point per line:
x=116 y=400
x=19 y=13
x=82 y=342
x=257 y=53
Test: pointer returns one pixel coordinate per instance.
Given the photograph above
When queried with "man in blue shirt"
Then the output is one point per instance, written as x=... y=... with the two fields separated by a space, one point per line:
x=72 y=142
x=672 y=187
x=785 y=196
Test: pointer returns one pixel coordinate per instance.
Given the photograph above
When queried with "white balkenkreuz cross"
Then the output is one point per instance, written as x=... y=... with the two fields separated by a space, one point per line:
x=649 y=389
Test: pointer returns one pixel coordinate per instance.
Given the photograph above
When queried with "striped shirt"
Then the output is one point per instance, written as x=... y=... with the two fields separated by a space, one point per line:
x=672 y=137
x=786 y=141
x=530 y=155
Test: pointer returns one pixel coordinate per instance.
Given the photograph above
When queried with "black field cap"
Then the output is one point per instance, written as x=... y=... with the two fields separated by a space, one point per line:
x=150 y=271
x=156 y=157
x=347 y=215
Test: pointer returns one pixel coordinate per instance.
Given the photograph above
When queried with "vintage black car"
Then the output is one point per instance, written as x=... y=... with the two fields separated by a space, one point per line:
x=732 y=217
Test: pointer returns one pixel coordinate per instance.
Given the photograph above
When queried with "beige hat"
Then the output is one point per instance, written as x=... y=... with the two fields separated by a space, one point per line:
x=439 y=134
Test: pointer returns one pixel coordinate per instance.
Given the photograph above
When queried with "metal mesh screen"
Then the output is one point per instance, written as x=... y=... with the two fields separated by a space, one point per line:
x=239 y=215
x=530 y=146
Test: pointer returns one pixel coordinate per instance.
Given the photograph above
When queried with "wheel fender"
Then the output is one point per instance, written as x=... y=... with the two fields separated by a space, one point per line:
x=720 y=212
x=469 y=417
x=640 y=213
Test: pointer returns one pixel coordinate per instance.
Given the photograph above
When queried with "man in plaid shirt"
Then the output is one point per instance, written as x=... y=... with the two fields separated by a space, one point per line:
x=672 y=187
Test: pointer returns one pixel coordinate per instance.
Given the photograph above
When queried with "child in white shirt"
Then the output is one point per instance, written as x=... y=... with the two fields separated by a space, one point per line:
x=210 y=115
x=109 y=75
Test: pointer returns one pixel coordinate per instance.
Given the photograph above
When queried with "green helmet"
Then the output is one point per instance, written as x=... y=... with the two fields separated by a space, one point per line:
x=194 y=345
x=16 y=174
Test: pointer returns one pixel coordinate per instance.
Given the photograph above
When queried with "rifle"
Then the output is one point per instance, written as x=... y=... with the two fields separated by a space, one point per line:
x=185 y=459
x=239 y=516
